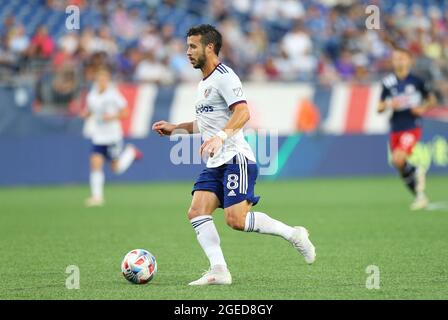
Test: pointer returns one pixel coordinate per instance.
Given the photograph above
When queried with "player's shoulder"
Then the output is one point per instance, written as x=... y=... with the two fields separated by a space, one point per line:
x=92 y=93
x=415 y=78
x=225 y=73
x=389 y=80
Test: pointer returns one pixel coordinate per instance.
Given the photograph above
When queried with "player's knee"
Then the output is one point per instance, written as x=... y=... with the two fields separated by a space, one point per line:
x=193 y=212
x=398 y=160
x=114 y=167
x=96 y=162
x=235 y=219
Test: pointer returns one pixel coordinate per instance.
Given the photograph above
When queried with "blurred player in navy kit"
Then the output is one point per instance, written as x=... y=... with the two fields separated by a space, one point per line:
x=409 y=97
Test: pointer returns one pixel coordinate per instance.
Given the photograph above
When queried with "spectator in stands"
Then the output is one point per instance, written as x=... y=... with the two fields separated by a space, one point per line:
x=86 y=41
x=219 y=10
x=18 y=41
x=345 y=66
x=64 y=59
x=326 y=72
x=166 y=37
x=418 y=19
x=150 y=70
x=104 y=42
x=69 y=43
x=242 y=7
x=42 y=44
x=291 y=10
x=266 y=9
x=150 y=39
x=298 y=51
x=260 y=43
x=126 y=63
x=315 y=24
x=126 y=25
x=258 y=73
x=8 y=62
x=8 y=24
x=255 y=43
x=179 y=64
x=271 y=69
x=16 y=46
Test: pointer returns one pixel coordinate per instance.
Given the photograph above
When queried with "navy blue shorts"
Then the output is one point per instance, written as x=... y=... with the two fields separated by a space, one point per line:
x=110 y=152
x=232 y=182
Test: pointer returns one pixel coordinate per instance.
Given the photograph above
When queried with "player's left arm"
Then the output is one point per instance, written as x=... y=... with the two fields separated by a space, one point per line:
x=231 y=90
x=240 y=116
x=429 y=100
x=427 y=104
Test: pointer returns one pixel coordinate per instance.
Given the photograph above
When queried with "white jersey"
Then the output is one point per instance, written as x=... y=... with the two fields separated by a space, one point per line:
x=217 y=93
x=109 y=102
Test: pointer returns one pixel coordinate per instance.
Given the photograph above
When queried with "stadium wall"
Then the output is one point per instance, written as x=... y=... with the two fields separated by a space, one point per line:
x=343 y=136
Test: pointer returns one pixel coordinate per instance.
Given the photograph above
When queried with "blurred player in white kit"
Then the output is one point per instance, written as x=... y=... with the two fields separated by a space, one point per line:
x=106 y=106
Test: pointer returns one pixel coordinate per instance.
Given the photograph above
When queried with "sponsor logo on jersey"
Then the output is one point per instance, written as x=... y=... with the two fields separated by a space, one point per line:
x=203 y=108
x=231 y=193
x=409 y=88
x=238 y=91
x=207 y=92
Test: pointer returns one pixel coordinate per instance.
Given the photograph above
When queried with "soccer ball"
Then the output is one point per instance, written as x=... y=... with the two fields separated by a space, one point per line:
x=139 y=266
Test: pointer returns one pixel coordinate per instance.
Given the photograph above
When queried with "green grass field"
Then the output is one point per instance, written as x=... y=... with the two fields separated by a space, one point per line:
x=354 y=223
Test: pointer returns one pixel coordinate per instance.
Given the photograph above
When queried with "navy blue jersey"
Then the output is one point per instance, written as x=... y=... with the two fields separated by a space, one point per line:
x=412 y=90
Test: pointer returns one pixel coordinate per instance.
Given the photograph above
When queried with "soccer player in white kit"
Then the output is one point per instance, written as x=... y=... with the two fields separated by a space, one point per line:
x=106 y=106
x=229 y=178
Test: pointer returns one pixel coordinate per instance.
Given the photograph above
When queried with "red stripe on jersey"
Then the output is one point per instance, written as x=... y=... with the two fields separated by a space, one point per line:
x=357 y=109
x=129 y=92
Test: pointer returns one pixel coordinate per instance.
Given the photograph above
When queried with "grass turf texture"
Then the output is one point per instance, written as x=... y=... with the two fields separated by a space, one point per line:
x=354 y=223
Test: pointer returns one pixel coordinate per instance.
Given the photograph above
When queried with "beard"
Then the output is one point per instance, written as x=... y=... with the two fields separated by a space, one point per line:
x=200 y=62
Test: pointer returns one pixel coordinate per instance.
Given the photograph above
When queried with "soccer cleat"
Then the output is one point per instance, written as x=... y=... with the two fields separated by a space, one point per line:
x=300 y=240
x=94 y=202
x=213 y=277
x=421 y=180
x=420 y=202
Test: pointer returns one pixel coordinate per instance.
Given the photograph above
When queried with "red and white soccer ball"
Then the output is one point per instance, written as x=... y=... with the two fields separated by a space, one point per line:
x=139 y=266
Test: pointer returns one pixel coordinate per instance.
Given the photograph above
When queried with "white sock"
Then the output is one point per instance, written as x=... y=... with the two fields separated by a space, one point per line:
x=97 y=184
x=208 y=238
x=126 y=159
x=262 y=223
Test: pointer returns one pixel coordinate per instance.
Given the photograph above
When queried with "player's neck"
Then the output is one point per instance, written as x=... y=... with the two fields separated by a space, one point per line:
x=402 y=74
x=102 y=89
x=209 y=67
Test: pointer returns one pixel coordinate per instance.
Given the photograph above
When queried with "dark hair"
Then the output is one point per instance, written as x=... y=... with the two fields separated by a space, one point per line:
x=209 y=35
x=402 y=49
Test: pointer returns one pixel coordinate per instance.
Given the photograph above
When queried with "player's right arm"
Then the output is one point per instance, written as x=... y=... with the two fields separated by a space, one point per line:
x=164 y=128
x=87 y=111
x=382 y=106
x=384 y=99
x=387 y=101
